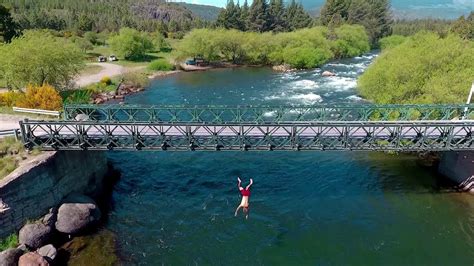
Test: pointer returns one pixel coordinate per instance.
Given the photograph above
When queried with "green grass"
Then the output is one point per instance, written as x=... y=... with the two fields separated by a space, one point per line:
x=9 y=242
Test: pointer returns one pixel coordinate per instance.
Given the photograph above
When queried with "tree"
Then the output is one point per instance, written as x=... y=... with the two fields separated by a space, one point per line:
x=297 y=17
x=38 y=58
x=8 y=28
x=41 y=97
x=422 y=69
x=277 y=14
x=258 y=16
x=131 y=44
x=374 y=15
x=229 y=17
x=83 y=44
x=464 y=27
x=244 y=16
x=333 y=7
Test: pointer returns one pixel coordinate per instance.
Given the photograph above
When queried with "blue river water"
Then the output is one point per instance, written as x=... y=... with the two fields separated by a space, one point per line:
x=306 y=208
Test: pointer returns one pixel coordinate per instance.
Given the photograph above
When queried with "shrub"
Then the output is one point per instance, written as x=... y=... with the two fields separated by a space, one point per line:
x=106 y=80
x=10 y=98
x=9 y=242
x=9 y=145
x=423 y=69
x=78 y=97
x=41 y=97
x=391 y=41
x=136 y=79
x=160 y=65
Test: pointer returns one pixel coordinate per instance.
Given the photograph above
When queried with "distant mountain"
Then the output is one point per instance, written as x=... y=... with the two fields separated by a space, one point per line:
x=448 y=9
x=203 y=11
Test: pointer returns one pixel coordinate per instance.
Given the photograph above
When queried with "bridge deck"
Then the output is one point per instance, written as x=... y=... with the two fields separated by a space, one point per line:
x=395 y=136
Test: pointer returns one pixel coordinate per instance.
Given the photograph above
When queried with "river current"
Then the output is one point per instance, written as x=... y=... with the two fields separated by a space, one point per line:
x=307 y=208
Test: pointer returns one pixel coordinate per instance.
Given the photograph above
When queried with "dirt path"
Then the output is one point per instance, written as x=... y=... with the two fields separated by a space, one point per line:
x=8 y=122
x=108 y=70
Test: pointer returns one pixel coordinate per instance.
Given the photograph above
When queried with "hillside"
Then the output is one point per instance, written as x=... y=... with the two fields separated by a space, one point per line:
x=205 y=12
x=112 y=15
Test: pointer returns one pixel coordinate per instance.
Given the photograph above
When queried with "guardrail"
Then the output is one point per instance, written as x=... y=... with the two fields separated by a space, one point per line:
x=37 y=111
x=11 y=132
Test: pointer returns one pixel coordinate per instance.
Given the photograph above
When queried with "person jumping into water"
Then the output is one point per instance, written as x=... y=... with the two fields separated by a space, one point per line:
x=245 y=198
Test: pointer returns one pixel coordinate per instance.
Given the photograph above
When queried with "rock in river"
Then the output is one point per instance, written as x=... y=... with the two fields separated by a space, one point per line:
x=48 y=251
x=35 y=235
x=32 y=259
x=76 y=214
x=10 y=256
x=328 y=74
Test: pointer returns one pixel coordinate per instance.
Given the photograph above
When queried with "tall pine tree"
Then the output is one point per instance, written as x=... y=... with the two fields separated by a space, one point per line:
x=244 y=16
x=8 y=28
x=333 y=7
x=258 y=16
x=277 y=16
x=297 y=17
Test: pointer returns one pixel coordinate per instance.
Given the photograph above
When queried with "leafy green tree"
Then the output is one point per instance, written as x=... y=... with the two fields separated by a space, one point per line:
x=92 y=37
x=423 y=69
x=258 y=16
x=297 y=17
x=8 y=28
x=38 y=58
x=351 y=40
x=83 y=44
x=131 y=44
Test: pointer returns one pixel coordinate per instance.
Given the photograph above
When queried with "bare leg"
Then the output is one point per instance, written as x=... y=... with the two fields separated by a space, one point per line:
x=237 y=210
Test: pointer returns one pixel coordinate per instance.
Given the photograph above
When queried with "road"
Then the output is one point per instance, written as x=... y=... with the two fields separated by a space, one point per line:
x=108 y=70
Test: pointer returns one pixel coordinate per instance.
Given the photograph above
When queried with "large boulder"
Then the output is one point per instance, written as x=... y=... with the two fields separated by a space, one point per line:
x=10 y=256
x=328 y=74
x=48 y=251
x=32 y=259
x=77 y=214
x=35 y=235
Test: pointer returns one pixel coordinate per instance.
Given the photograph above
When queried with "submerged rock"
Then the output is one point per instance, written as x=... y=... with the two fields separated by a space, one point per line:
x=77 y=214
x=34 y=235
x=48 y=251
x=96 y=249
x=32 y=259
x=10 y=256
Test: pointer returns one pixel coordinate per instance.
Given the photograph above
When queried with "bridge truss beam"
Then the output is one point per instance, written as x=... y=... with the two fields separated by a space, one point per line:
x=372 y=136
x=270 y=114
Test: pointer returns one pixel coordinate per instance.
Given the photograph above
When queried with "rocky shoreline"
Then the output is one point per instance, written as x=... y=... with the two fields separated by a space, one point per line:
x=78 y=211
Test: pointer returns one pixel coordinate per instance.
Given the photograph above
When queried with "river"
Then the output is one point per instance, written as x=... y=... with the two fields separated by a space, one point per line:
x=307 y=208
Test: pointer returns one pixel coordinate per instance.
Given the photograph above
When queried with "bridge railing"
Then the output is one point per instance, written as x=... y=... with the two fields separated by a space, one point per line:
x=179 y=136
x=269 y=114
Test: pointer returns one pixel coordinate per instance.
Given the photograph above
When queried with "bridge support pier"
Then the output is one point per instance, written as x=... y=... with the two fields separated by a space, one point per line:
x=459 y=167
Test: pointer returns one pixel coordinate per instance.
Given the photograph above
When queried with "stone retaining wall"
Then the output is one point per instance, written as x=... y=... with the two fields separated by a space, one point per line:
x=459 y=167
x=40 y=184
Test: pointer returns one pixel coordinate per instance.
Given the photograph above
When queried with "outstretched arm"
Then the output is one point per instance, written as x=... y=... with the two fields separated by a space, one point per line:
x=251 y=182
x=239 y=185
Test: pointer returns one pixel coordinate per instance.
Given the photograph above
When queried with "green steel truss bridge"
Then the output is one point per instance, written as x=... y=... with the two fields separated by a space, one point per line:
x=256 y=128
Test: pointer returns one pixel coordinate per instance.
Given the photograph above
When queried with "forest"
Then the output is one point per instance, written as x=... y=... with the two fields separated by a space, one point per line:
x=264 y=33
